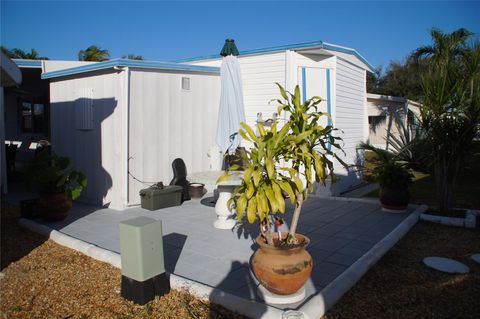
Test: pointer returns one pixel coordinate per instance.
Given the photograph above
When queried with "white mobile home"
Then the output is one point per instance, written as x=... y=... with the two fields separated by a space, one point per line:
x=123 y=122
x=390 y=114
x=336 y=73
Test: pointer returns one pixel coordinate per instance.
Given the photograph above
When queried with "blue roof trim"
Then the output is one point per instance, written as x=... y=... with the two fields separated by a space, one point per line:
x=256 y=51
x=129 y=63
x=305 y=45
x=28 y=63
x=332 y=47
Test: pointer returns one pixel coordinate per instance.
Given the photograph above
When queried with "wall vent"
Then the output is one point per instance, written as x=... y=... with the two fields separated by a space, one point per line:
x=185 y=84
x=84 y=109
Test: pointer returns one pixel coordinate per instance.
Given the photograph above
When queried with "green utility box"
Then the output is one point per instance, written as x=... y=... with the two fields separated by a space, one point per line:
x=154 y=198
x=141 y=248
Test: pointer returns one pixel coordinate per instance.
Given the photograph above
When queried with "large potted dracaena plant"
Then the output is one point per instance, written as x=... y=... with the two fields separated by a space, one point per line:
x=57 y=183
x=281 y=264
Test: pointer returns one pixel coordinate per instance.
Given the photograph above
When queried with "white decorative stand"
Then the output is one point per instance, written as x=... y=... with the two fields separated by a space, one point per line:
x=271 y=298
x=225 y=214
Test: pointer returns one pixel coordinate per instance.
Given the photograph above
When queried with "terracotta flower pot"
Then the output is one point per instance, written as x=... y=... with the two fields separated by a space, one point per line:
x=280 y=269
x=54 y=207
x=394 y=198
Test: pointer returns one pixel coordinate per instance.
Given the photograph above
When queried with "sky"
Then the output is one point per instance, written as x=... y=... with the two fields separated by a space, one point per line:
x=165 y=31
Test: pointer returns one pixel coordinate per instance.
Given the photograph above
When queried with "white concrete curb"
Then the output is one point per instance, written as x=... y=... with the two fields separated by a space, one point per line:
x=468 y=222
x=90 y=250
x=320 y=303
x=249 y=308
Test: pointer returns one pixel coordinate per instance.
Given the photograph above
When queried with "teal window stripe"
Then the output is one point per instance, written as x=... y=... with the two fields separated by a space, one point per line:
x=329 y=106
x=304 y=84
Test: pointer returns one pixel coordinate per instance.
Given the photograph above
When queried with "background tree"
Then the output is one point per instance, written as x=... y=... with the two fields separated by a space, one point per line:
x=400 y=79
x=373 y=81
x=451 y=105
x=133 y=57
x=20 y=54
x=93 y=53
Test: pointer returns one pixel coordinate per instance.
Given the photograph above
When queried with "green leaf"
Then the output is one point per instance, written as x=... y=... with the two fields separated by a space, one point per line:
x=249 y=131
x=296 y=97
x=247 y=174
x=286 y=187
x=251 y=210
x=250 y=190
x=75 y=192
x=270 y=168
x=271 y=198
x=262 y=198
x=282 y=91
x=244 y=136
x=257 y=175
x=261 y=129
x=241 y=205
x=279 y=197
x=298 y=182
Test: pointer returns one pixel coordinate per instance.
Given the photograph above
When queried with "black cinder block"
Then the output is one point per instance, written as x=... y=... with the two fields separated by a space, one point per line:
x=142 y=292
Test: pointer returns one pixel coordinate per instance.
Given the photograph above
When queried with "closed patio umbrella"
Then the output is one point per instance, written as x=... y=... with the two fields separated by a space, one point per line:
x=231 y=110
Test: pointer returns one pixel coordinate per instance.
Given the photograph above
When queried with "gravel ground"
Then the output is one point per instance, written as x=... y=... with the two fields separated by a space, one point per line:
x=41 y=279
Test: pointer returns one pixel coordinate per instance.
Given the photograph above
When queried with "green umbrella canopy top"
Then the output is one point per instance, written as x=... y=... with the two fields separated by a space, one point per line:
x=229 y=48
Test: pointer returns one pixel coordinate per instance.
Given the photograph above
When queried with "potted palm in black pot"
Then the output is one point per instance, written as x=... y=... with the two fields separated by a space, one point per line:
x=393 y=176
x=56 y=182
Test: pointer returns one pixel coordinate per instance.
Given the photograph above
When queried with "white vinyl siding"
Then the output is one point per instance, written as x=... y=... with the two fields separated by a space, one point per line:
x=259 y=75
x=350 y=117
x=167 y=122
x=98 y=152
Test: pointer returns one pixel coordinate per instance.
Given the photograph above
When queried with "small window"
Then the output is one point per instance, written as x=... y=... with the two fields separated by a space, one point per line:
x=185 y=83
x=33 y=117
x=27 y=117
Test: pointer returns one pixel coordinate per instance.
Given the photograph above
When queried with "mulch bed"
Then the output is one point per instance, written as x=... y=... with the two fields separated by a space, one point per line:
x=400 y=286
x=41 y=279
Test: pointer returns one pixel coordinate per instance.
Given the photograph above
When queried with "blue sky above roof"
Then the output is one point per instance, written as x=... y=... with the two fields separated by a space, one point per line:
x=166 y=31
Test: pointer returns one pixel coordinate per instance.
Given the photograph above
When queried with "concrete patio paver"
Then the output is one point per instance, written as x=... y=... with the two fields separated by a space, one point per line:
x=341 y=232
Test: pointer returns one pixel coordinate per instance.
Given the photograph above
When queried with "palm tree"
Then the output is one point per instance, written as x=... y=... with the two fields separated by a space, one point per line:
x=93 y=53
x=451 y=106
x=20 y=54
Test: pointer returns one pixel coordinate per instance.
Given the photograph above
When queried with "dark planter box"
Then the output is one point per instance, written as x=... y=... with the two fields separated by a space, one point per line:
x=154 y=198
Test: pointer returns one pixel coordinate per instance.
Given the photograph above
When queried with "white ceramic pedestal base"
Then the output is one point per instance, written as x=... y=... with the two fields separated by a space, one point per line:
x=270 y=297
x=224 y=214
